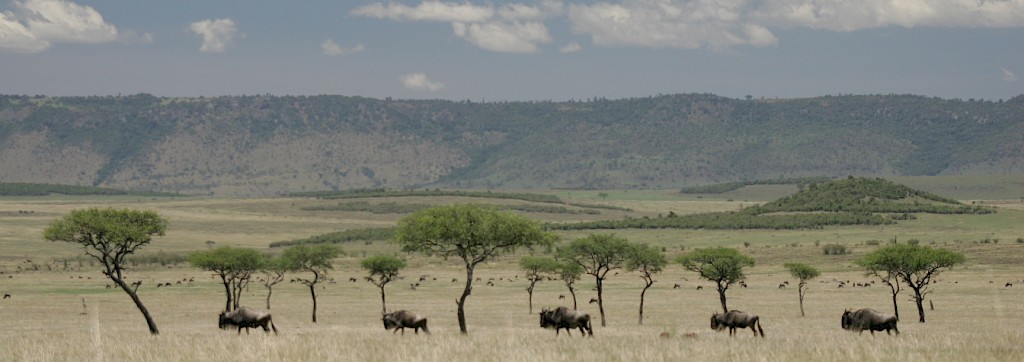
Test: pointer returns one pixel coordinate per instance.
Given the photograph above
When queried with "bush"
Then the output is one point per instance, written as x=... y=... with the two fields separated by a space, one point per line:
x=913 y=241
x=873 y=242
x=835 y=249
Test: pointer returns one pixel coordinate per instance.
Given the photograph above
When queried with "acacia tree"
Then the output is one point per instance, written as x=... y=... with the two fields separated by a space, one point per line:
x=471 y=233
x=109 y=235
x=383 y=269
x=311 y=259
x=273 y=271
x=570 y=273
x=234 y=266
x=724 y=266
x=647 y=260
x=598 y=254
x=883 y=268
x=536 y=267
x=917 y=266
x=803 y=272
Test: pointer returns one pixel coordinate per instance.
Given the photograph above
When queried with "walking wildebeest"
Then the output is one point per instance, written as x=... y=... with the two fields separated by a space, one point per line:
x=869 y=319
x=736 y=319
x=246 y=318
x=404 y=319
x=563 y=317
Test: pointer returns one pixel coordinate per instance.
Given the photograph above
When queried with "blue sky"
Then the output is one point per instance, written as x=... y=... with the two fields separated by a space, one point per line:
x=514 y=50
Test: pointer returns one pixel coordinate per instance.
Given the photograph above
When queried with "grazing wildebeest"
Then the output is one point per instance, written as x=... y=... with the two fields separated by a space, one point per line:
x=677 y=286
x=563 y=317
x=592 y=300
x=736 y=319
x=404 y=319
x=782 y=286
x=699 y=287
x=1009 y=285
x=7 y=296
x=869 y=319
x=246 y=318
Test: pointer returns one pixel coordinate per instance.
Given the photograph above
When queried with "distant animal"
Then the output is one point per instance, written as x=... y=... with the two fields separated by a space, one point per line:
x=7 y=296
x=246 y=318
x=699 y=287
x=404 y=319
x=352 y=279
x=561 y=296
x=664 y=335
x=736 y=319
x=1009 y=285
x=869 y=319
x=592 y=300
x=782 y=286
x=677 y=286
x=454 y=280
x=569 y=319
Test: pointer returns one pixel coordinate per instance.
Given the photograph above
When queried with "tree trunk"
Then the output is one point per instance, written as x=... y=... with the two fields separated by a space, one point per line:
x=138 y=303
x=800 y=291
x=573 y=292
x=462 y=300
x=383 y=301
x=721 y=297
x=895 y=307
x=600 y=301
x=270 y=290
x=227 y=291
x=642 y=302
x=530 y=292
x=919 y=299
x=312 y=292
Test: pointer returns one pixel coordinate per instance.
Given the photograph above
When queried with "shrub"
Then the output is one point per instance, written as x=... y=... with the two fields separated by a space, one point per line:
x=873 y=242
x=835 y=249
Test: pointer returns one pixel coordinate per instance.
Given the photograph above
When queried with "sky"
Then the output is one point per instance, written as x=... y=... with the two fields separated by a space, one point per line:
x=526 y=50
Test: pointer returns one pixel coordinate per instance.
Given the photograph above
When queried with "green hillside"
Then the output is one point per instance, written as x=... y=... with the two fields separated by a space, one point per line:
x=266 y=145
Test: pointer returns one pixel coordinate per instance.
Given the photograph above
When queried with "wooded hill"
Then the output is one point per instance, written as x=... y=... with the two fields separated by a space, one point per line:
x=265 y=145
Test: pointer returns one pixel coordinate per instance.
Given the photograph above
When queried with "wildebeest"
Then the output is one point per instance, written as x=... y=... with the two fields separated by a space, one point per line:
x=246 y=318
x=563 y=317
x=404 y=319
x=592 y=300
x=736 y=319
x=7 y=296
x=869 y=319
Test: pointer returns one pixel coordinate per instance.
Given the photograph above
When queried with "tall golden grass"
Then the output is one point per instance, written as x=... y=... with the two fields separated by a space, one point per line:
x=71 y=316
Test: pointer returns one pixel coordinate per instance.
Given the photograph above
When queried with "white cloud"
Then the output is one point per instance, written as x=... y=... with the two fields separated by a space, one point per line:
x=511 y=28
x=571 y=48
x=427 y=11
x=419 y=81
x=329 y=47
x=216 y=34
x=503 y=36
x=864 y=14
x=34 y=25
x=1009 y=76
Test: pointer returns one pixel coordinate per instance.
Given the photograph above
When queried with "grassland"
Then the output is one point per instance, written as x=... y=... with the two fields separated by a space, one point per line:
x=58 y=314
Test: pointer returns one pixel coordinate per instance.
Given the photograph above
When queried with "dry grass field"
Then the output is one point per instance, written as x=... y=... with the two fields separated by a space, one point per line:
x=69 y=315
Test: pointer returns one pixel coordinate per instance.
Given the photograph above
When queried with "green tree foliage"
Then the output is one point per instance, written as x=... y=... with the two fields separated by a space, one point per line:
x=313 y=259
x=803 y=273
x=570 y=273
x=647 y=260
x=598 y=254
x=724 y=266
x=471 y=233
x=383 y=269
x=109 y=235
x=234 y=266
x=916 y=266
x=536 y=267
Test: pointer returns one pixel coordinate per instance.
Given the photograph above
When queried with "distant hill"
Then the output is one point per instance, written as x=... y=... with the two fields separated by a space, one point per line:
x=266 y=145
x=849 y=201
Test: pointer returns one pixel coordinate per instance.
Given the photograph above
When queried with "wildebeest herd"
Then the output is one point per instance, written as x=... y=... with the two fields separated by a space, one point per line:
x=568 y=319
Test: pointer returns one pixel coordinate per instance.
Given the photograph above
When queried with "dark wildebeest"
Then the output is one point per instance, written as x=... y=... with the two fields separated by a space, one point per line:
x=736 y=319
x=869 y=319
x=405 y=319
x=563 y=317
x=246 y=318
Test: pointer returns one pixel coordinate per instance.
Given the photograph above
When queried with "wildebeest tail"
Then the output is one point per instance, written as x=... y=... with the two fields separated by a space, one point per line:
x=757 y=322
x=270 y=321
x=425 y=330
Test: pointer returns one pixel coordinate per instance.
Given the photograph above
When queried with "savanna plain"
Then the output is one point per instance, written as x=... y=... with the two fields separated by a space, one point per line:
x=60 y=308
